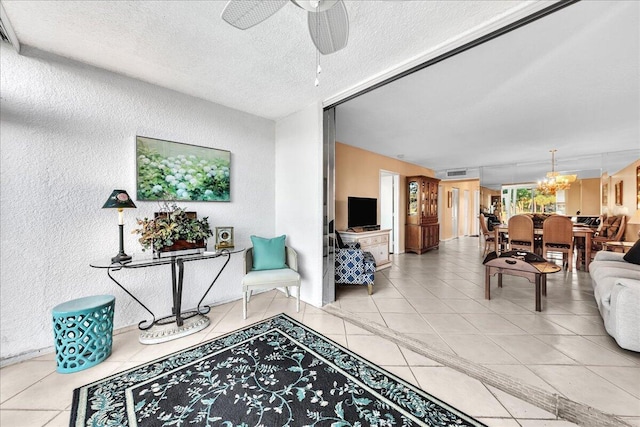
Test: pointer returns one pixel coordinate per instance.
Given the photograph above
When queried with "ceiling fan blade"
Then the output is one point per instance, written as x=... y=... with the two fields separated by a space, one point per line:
x=329 y=29
x=245 y=14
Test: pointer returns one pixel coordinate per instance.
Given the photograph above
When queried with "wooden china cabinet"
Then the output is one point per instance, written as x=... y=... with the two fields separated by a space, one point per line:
x=422 y=228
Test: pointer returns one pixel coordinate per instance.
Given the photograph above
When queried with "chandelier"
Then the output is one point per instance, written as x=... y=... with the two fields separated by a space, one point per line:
x=554 y=181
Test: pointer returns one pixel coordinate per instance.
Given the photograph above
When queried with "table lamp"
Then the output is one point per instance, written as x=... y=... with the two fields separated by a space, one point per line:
x=120 y=200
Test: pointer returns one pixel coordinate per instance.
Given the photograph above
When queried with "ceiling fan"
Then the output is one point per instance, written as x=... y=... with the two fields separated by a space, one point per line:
x=327 y=19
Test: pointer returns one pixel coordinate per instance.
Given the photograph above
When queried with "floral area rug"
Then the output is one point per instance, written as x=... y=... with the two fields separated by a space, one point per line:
x=274 y=373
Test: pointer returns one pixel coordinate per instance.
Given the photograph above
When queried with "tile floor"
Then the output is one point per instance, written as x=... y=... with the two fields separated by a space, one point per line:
x=436 y=297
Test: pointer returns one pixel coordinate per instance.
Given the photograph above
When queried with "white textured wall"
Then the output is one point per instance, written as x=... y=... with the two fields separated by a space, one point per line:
x=299 y=194
x=67 y=139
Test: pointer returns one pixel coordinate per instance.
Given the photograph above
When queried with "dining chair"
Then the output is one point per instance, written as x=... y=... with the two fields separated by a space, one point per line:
x=489 y=237
x=557 y=236
x=521 y=234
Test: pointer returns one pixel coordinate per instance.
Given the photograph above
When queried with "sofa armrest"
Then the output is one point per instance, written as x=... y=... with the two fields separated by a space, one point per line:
x=609 y=256
x=625 y=310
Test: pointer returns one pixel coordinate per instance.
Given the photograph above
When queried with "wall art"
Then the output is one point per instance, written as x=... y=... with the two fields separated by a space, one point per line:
x=618 y=188
x=175 y=171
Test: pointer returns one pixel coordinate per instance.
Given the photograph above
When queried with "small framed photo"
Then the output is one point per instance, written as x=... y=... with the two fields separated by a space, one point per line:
x=618 y=193
x=224 y=238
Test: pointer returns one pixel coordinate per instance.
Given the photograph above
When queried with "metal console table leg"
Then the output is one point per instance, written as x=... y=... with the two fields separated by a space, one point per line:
x=179 y=323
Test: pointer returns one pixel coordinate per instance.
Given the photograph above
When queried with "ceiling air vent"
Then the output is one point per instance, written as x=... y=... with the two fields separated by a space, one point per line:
x=456 y=173
x=6 y=31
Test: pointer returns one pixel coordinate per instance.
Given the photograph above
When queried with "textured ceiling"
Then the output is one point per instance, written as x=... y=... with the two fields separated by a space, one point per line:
x=568 y=81
x=267 y=70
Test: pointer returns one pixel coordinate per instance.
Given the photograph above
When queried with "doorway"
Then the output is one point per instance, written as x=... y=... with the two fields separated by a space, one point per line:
x=389 y=208
x=465 y=212
x=455 y=199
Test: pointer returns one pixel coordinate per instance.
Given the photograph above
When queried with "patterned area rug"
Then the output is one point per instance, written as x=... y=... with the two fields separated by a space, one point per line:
x=277 y=372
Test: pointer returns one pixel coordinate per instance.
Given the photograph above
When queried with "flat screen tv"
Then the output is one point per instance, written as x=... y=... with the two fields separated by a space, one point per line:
x=362 y=211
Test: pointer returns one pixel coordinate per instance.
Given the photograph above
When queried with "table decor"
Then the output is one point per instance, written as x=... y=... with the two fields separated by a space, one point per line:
x=224 y=238
x=277 y=372
x=172 y=231
x=119 y=199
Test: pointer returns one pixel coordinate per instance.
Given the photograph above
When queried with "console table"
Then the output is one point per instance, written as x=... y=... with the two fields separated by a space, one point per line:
x=376 y=242
x=179 y=323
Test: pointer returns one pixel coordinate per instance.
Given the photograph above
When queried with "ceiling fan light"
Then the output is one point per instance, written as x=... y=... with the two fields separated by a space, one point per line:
x=315 y=5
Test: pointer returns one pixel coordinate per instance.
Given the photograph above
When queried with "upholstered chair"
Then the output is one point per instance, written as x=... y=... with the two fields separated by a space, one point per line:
x=611 y=229
x=268 y=279
x=354 y=266
x=557 y=236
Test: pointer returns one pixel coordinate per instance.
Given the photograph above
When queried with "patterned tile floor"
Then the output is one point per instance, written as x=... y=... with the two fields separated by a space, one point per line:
x=436 y=297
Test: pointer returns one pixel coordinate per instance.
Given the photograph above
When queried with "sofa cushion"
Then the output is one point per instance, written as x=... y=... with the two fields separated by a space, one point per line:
x=606 y=273
x=269 y=278
x=633 y=256
x=608 y=256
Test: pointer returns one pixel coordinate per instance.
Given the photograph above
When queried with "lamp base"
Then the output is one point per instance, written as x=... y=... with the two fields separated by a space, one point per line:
x=121 y=258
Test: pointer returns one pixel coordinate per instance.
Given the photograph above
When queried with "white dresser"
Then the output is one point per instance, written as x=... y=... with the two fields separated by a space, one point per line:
x=376 y=242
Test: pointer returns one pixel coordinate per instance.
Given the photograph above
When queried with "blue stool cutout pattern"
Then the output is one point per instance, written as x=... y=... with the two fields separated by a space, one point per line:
x=82 y=329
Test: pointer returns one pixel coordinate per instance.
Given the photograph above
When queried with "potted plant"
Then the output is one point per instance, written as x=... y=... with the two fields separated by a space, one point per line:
x=173 y=229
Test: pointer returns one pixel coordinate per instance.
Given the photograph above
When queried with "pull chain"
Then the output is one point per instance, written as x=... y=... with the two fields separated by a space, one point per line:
x=318 y=68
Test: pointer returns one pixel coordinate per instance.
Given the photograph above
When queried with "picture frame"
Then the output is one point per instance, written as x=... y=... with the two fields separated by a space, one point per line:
x=605 y=194
x=638 y=187
x=618 y=193
x=224 y=238
x=167 y=171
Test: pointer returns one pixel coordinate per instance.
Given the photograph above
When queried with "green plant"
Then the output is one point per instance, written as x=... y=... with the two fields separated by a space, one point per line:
x=169 y=226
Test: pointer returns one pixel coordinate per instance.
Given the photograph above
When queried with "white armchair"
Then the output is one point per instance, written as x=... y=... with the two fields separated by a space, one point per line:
x=269 y=279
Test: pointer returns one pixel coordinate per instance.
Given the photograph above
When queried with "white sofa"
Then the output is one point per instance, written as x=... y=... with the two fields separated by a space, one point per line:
x=616 y=286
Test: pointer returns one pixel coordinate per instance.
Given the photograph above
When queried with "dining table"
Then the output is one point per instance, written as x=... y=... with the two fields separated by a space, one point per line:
x=585 y=233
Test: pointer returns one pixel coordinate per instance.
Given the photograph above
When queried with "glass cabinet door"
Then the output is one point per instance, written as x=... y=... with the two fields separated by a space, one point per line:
x=413 y=198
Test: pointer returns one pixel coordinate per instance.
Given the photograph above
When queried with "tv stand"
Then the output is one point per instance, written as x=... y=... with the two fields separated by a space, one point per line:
x=376 y=242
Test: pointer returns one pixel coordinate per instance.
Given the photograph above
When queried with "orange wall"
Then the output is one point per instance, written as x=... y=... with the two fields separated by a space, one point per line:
x=358 y=175
x=629 y=199
x=485 y=197
x=472 y=216
x=583 y=196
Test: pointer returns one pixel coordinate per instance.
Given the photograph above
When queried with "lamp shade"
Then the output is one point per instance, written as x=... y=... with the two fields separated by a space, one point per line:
x=119 y=199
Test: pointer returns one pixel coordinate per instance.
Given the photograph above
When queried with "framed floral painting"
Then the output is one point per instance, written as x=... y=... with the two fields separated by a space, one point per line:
x=175 y=171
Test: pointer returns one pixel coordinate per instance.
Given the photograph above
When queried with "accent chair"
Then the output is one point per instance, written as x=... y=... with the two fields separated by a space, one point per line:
x=353 y=266
x=269 y=279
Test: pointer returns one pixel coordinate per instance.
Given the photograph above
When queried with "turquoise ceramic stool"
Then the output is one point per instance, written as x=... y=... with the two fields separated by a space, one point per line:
x=82 y=329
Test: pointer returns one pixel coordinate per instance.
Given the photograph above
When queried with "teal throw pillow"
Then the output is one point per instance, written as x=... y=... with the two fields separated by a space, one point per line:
x=268 y=254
